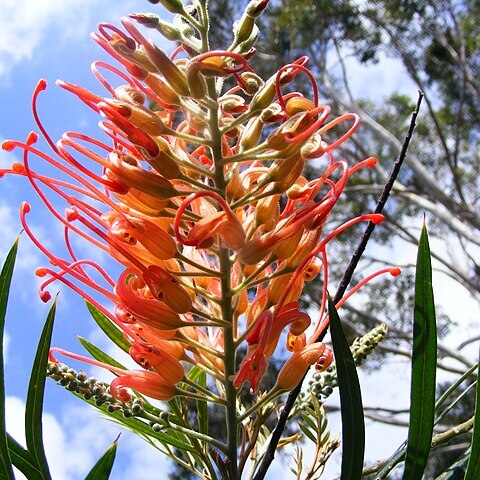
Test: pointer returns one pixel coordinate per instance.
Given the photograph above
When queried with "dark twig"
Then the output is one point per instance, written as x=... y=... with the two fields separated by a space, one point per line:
x=347 y=277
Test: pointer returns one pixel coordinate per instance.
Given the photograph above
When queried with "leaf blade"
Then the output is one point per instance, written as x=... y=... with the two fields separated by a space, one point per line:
x=473 y=466
x=102 y=469
x=22 y=460
x=424 y=362
x=6 y=470
x=35 y=394
x=99 y=354
x=112 y=332
x=353 y=424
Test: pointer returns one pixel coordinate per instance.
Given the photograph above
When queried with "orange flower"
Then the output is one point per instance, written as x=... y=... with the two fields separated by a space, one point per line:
x=296 y=366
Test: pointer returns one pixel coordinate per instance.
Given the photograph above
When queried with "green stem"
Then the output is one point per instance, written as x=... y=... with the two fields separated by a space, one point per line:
x=266 y=399
x=205 y=391
x=226 y=300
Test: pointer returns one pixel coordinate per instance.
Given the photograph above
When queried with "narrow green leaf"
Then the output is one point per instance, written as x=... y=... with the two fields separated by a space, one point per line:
x=22 y=460
x=98 y=354
x=455 y=470
x=454 y=386
x=112 y=332
x=141 y=428
x=424 y=366
x=351 y=408
x=399 y=455
x=202 y=407
x=102 y=469
x=194 y=374
x=34 y=402
x=473 y=467
x=6 y=470
x=308 y=421
x=308 y=433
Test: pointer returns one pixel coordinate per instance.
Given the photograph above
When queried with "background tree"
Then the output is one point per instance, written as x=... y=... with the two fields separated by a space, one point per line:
x=438 y=45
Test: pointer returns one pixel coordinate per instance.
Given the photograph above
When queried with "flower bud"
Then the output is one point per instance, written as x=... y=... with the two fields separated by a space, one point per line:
x=173 y=6
x=250 y=82
x=251 y=134
x=173 y=75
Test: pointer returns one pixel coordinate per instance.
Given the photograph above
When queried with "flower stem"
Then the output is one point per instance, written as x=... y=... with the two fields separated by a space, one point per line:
x=227 y=294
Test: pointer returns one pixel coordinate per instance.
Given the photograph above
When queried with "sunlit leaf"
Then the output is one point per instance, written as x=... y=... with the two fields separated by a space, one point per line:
x=6 y=471
x=112 y=332
x=99 y=354
x=473 y=467
x=351 y=408
x=34 y=402
x=424 y=366
x=102 y=469
x=307 y=432
x=141 y=428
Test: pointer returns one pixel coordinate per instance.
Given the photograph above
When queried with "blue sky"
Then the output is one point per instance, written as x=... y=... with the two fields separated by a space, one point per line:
x=50 y=40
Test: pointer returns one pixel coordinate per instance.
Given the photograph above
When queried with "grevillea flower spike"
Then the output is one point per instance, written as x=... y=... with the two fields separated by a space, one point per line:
x=196 y=191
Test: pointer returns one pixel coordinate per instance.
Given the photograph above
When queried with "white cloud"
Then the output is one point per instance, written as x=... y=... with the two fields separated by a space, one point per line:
x=375 y=81
x=74 y=439
x=24 y=23
x=6 y=344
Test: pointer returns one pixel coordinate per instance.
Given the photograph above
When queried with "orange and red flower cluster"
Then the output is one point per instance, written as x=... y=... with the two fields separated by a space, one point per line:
x=197 y=191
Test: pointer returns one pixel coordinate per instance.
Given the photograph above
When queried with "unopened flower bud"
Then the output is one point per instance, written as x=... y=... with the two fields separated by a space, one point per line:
x=250 y=82
x=173 y=6
x=251 y=134
x=256 y=7
x=173 y=75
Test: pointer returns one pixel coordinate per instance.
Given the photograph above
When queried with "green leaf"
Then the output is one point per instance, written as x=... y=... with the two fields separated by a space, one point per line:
x=98 y=354
x=424 y=366
x=202 y=407
x=307 y=432
x=308 y=421
x=34 y=402
x=141 y=428
x=351 y=408
x=23 y=460
x=112 y=332
x=102 y=469
x=454 y=386
x=194 y=374
x=455 y=470
x=6 y=470
x=473 y=467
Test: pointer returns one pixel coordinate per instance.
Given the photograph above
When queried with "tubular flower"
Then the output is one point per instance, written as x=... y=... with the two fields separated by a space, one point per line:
x=148 y=383
x=296 y=366
x=197 y=193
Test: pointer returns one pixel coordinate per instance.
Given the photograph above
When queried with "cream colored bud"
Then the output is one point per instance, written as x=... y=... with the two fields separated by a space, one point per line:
x=250 y=82
x=251 y=134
